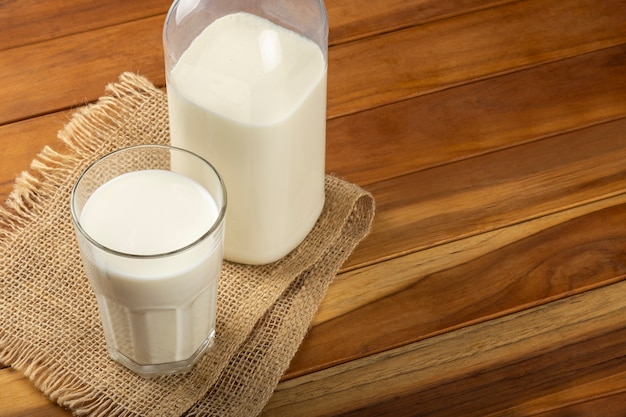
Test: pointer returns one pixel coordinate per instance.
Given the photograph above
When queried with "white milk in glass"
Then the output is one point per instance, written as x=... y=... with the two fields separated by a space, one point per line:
x=158 y=309
x=250 y=97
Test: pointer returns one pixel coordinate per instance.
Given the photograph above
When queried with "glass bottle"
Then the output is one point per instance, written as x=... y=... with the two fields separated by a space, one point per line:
x=246 y=84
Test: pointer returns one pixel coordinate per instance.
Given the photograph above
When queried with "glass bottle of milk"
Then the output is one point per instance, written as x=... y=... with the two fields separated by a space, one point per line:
x=246 y=86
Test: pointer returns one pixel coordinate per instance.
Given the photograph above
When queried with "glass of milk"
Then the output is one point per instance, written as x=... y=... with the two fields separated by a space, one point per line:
x=151 y=241
x=246 y=84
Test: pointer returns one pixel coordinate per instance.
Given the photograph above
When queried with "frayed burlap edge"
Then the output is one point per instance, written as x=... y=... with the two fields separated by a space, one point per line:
x=49 y=176
x=49 y=169
x=31 y=195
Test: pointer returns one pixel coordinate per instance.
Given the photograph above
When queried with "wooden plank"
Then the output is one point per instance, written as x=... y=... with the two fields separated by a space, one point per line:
x=469 y=281
x=354 y=289
x=511 y=390
x=474 y=196
x=478 y=118
x=473 y=371
x=608 y=405
x=19 y=397
x=362 y=75
x=31 y=135
x=416 y=61
x=350 y=20
x=23 y=23
x=46 y=80
x=607 y=394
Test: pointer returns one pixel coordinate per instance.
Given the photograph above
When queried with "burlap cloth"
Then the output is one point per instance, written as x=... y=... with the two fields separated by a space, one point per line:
x=49 y=324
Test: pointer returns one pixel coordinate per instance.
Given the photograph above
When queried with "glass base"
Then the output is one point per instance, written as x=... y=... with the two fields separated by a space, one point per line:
x=158 y=369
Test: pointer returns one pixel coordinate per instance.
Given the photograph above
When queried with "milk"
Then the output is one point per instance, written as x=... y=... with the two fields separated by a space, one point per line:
x=154 y=309
x=250 y=97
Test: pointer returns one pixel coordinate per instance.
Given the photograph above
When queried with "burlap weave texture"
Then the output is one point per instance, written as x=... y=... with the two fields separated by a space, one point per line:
x=49 y=324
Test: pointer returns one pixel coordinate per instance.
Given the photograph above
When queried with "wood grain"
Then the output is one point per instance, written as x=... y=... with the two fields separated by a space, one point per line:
x=587 y=398
x=475 y=370
x=44 y=82
x=350 y=22
x=421 y=210
x=451 y=52
x=19 y=397
x=32 y=134
x=534 y=267
x=478 y=118
x=22 y=25
x=357 y=288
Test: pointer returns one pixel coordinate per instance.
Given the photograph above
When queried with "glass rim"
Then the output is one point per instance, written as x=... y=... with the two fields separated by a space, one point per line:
x=214 y=226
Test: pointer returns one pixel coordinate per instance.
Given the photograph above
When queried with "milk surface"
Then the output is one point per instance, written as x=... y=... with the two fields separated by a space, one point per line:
x=161 y=309
x=250 y=97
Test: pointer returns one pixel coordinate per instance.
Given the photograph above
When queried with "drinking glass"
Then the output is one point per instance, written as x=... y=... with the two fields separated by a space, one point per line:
x=151 y=242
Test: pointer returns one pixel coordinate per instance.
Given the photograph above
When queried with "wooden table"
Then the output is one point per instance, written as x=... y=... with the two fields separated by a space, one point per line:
x=493 y=136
